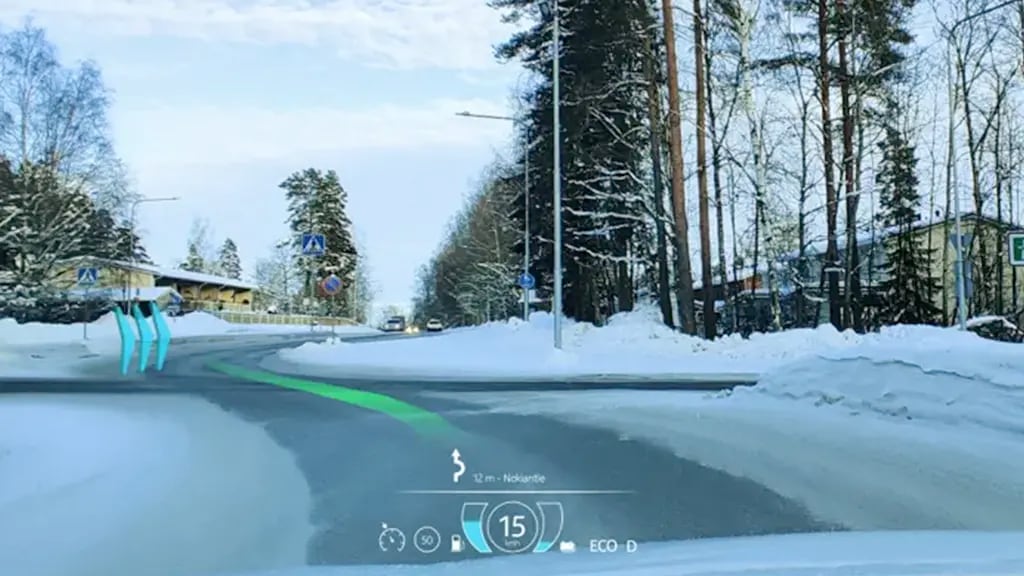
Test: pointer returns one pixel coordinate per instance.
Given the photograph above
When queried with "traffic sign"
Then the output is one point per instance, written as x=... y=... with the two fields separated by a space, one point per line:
x=313 y=244
x=88 y=276
x=1016 y=249
x=526 y=280
x=331 y=285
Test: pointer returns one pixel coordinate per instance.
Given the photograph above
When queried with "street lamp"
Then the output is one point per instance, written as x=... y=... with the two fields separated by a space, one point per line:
x=526 y=202
x=131 y=240
x=552 y=9
x=961 y=277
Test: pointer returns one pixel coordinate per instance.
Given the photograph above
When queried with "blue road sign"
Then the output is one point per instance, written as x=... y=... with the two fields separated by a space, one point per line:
x=88 y=276
x=313 y=244
x=331 y=284
x=526 y=281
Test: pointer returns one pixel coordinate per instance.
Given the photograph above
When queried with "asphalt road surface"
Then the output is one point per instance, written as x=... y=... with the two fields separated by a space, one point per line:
x=367 y=469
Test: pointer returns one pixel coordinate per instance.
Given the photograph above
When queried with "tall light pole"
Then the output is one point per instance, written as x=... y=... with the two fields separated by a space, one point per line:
x=556 y=300
x=131 y=241
x=961 y=277
x=527 y=145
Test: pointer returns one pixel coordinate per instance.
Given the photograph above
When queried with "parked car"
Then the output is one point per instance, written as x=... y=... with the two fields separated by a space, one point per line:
x=395 y=324
x=434 y=325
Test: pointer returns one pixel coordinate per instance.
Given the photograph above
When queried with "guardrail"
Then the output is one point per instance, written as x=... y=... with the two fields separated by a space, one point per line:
x=280 y=319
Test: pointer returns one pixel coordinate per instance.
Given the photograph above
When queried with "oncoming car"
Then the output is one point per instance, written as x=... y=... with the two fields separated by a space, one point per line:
x=395 y=324
x=434 y=325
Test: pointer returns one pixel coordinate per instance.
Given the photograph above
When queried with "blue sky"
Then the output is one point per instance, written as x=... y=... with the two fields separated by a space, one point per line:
x=217 y=101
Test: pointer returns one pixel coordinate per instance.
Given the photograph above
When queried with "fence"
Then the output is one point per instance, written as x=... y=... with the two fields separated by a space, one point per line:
x=284 y=319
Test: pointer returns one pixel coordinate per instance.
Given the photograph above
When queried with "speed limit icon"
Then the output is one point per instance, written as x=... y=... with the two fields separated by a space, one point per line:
x=427 y=539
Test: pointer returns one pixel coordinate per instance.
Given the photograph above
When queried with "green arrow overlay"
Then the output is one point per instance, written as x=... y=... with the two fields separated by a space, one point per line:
x=424 y=422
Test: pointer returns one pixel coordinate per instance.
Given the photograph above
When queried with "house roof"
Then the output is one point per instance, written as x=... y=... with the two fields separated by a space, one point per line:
x=173 y=273
x=867 y=238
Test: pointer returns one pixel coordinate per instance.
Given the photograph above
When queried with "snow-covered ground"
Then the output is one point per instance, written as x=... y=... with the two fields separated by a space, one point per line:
x=633 y=345
x=915 y=428
x=117 y=485
x=57 y=350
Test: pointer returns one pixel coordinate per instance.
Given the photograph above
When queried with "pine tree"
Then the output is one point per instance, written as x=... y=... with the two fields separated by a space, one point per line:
x=603 y=101
x=194 y=261
x=908 y=289
x=228 y=262
x=317 y=203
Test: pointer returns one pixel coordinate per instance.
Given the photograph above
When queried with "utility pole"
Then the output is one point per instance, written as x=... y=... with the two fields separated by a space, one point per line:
x=556 y=305
x=128 y=297
x=527 y=146
x=710 y=325
x=684 y=274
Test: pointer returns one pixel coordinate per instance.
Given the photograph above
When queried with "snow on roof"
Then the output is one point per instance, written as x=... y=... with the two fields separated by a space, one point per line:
x=199 y=277
x=173 y=273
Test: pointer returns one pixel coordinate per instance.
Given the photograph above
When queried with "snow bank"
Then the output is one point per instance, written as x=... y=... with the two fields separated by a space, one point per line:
x=863 y=554
x=101 y=485
x=59 y=350
x=912 y=428
x=633 y=344
x=105 y=328
x=912 y=372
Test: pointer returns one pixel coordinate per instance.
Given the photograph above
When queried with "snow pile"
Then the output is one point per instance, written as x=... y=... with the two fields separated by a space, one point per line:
x=912 y=372
x=101 y=485
x=633 y=344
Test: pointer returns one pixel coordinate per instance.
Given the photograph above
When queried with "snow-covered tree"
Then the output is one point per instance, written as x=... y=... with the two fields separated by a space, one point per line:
x=603 y=141
x=278 y=278
x=228 y=262
x=317 y=203
x=194 y=261
x=62 y=189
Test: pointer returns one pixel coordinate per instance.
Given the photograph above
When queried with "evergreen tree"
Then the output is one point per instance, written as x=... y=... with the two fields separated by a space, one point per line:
x=128 y=246
x=194 y=261
x=908 y=289
x=603 y=102
x=318 y=203
x=228 y=262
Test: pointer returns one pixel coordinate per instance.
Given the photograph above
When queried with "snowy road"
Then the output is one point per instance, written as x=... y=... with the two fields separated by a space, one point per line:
x=356 y=465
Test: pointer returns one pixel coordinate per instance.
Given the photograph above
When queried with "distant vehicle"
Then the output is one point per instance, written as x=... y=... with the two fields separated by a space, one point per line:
x=434 y=325
x=395 y=324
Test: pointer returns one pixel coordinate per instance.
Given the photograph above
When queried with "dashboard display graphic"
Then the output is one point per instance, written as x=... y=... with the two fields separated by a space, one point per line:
x=512 y=527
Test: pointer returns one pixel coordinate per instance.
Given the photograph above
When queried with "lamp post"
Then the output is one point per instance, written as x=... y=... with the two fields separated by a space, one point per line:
x=526 y=201
x=961 y=277
x=131 y=242
x=552 y=10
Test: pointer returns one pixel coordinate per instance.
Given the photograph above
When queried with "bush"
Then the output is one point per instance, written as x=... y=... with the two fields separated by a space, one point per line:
x=49 y=306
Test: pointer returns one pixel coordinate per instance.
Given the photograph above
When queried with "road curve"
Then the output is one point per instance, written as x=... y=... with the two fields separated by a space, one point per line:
x=361 y=462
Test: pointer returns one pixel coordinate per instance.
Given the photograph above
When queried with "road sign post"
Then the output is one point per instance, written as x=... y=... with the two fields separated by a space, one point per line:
x=1016 y=241
x=86 y=277
x=313 y=245
x=526 y=281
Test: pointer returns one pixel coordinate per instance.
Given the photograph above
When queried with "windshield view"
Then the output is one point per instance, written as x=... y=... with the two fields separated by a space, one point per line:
x=511 y=287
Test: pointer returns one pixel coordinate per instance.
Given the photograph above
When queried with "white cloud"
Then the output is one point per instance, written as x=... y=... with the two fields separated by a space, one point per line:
x=449 y=34
x=183 y=136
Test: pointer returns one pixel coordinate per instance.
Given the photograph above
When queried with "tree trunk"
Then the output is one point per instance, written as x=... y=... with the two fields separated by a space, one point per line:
x=852 y=296
x=654 y=117
x=829 y=268
x=710 y=324
x=716 y=168
x=684 y=275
